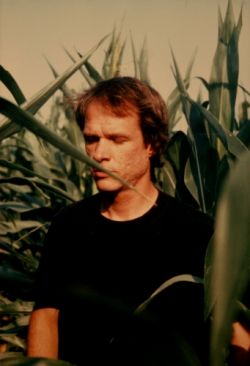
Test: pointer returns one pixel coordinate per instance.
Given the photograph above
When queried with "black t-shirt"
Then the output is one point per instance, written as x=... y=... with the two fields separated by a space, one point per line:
x=98 y=271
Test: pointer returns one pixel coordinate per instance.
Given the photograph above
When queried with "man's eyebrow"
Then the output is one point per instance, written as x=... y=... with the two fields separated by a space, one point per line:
x=117 y=134
x=114 y=134
x=109 y=135
x=89 y=137
x=88 y=133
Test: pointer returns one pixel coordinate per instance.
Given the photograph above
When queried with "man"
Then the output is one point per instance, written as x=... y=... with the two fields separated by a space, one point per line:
x=105 y=255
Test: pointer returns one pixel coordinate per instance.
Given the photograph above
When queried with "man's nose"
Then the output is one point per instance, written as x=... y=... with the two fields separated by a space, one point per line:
x=101 y=151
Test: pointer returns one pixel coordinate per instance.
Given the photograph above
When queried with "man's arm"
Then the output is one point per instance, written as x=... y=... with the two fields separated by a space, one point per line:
x=42 y=338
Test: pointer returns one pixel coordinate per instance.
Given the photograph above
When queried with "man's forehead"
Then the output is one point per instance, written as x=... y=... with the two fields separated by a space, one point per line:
x=100 y=119
x=121 y=109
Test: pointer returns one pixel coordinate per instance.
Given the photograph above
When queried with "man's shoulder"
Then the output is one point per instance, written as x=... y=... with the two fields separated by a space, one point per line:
x=182 y=211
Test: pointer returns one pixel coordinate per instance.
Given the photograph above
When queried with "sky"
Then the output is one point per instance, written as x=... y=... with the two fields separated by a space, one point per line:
x=31 y=30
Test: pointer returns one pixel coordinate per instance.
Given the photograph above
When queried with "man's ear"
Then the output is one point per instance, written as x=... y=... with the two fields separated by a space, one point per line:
x=151 y=151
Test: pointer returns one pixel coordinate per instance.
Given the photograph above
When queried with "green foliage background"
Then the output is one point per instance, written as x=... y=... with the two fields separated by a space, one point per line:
x=43 y=167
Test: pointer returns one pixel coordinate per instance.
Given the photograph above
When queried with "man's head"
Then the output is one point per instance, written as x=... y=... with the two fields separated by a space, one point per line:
x=125 y=95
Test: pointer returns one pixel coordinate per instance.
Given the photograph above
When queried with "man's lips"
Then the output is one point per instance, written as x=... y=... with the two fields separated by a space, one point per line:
x=99 y=173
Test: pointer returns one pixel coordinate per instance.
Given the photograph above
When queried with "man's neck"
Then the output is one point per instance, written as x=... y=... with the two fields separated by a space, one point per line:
x=128 y=204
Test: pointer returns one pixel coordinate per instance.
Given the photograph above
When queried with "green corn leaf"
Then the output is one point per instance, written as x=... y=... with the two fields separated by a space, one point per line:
x=28 y=121
x=20 y=168
x=190 y=182
x=225 y=69
x=8 y=129
x=176 y=92
x=11 y=276
x=12 y=250
x=166 y=179
x=93 y=72
x=34 y=183
x=15 y=206
x=197 y=163
x=113 y=58
x=209 y=300
x=204 y=82
x=174 y=104
x=24 y=186
x=231 y=251
x=116 y=53
x=82 y=71
x=181 y=86
x=12 y=85
x=16 y=226
x=14 y=340
x=106 y=68
x=200 y=144
x=177 y=153
x=119 y=60
x=116 y=59
x=66 y=91
x=233 y=60
x=244 y=89
x=244 y=133
x=49 y=176
x=143 y=62
x=35 y=103
x=42 y=96
x=204 y=160
x=17 y=307
x=231 y=143
x=165 y=285
x=135 y=62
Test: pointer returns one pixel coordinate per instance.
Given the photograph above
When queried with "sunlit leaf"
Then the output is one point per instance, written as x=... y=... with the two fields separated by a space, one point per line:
x=232 y=231
x=40 y=98
x=15 y=206
x=113 y=58
x=66 y=91
x=143 y=62
x=224 y=74
x=35 y=183
x=135 y=62
x=17 y=225
x=82 y=71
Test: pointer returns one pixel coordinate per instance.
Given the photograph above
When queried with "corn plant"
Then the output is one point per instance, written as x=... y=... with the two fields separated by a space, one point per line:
x=218 y=158
x=42 y=170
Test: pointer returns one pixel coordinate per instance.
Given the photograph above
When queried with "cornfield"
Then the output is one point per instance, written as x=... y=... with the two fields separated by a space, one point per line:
x=43 y=168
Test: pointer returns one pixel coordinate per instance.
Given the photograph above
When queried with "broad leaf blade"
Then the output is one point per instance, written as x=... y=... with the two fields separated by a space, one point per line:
x=231 y=251
x=12 y=85
x=230 y=142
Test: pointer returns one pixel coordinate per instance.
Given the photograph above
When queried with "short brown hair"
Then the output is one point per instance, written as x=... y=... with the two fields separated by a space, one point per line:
x=121 y=95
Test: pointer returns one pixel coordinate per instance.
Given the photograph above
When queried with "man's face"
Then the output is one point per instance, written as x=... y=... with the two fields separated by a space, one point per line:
x=117 y=144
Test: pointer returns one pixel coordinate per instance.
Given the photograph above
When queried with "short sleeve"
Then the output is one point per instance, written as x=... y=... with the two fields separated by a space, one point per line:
x=50 y=274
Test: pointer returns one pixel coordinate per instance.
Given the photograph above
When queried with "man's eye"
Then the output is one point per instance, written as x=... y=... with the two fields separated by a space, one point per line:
x=119 y=139
x=90 y=139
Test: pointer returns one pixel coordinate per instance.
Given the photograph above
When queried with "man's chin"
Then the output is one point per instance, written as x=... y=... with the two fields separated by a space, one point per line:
x=105 y=186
